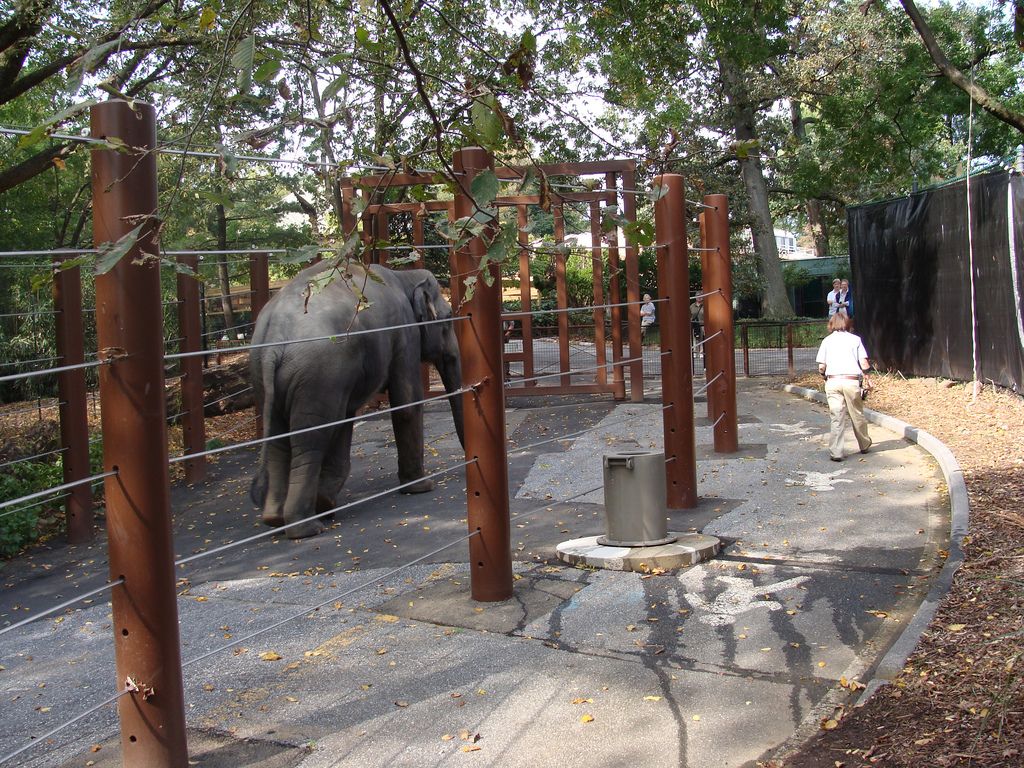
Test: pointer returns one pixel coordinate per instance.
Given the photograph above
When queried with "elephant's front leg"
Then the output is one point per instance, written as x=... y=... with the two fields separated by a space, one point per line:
x=408 y=426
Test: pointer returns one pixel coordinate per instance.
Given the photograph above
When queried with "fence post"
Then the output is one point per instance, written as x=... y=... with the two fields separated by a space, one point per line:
x=71 y=393
x=677 y=364
x=745 y=340
x=636 y=370
x=193 y=426
x=614 y=288
x=789 y=349
x=480 y=345
x=562 y=293
x=597 y=266
x=129 y=319
x=525 y=292
x=718 y=317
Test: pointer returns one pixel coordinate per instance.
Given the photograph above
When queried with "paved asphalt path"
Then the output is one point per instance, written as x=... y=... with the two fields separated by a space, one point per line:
x=715 y=665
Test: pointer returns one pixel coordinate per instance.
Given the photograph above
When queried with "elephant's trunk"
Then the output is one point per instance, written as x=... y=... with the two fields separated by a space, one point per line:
x=451 y=376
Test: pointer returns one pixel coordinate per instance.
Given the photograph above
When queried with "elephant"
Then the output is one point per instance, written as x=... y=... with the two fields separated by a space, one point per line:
x=308 y=383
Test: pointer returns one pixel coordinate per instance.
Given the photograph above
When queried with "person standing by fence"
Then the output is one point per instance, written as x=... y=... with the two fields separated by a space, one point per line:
x=833 y=298
x=843 y=361
x=647 y=315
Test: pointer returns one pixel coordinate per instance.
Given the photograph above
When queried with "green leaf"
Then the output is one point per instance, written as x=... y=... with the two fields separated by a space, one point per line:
x=363 y=38
x=109 y=254
x=302 y=255
x=207 y=19
x=486 y=121
x=267 y=71
x=335 y=87
x=639 y=232
x=40 y=132
x=242 y=59
x=484 y=188
x=657 y=193
x=470 y=284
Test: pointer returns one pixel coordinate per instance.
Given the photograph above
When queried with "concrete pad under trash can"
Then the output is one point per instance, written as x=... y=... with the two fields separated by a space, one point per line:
x=687 y=549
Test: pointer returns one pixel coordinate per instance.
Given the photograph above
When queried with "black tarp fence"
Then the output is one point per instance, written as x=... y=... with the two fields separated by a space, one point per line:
x=911 y=280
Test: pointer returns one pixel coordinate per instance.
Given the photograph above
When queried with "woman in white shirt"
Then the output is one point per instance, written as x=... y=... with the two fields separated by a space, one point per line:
x=843 y=361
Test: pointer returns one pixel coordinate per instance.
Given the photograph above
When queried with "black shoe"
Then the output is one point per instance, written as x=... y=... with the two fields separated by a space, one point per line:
x=834 y=458
x=865 y=450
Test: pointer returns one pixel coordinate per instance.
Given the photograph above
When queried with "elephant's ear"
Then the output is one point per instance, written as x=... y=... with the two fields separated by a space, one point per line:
x=422 y=306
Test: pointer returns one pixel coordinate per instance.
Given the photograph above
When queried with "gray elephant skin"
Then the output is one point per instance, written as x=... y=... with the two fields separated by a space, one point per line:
x=310 y=383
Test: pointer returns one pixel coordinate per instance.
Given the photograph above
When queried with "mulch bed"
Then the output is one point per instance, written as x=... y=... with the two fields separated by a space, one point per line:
x=959 y=700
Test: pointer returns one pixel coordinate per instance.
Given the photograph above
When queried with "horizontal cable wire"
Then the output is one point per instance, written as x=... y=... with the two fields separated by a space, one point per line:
x=574 y=372
x=332 y=337
x=50 y=252
x=304 y=430
x=333 y=599
x=704 y=389
x=514 y=315
x=53 y=731
x=65 y=604
x=349 y=505
x=61 y=369
x=213 y=402
x=35 y=313
x=15 y=511
x=225 y=330
x=26 y=362
x=56 y=488
x=706 y=294
x=32 y=458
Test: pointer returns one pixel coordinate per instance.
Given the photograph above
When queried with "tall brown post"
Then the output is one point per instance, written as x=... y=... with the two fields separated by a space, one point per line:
x=597 y=266
x=525 y=293
x=789 y=350
x=480 y=345
x=193 y=427
x=702 y=222
x=636 y=370
x=129 y=328
x=676 y=360
x=71 y=391
x=718 y=317
x=615 y=290
x=562 y=293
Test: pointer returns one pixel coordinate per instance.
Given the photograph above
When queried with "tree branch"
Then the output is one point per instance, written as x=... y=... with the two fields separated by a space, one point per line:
x=983 y=98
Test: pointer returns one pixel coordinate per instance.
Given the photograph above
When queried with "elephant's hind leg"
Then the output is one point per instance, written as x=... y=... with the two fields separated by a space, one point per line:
x=336 y=468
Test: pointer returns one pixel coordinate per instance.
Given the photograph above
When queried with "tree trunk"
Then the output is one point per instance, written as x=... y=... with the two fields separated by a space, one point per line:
x=775 y=300
x=222 y=268
x=812 y=207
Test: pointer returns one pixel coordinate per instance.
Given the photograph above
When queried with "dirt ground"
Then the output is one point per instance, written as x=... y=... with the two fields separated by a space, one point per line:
x=960 y=698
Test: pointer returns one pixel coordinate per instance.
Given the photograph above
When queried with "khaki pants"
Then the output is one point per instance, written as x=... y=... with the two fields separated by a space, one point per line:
x=844 y=398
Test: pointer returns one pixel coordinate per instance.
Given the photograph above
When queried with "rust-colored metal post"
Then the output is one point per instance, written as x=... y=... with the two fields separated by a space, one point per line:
x=71 y=392
x=597 y=266
x=525 y=293
x=636 y=369
x=718 y=317
x=789 y=350
x=193 y=427
x=615 y=290
x=129 y=320
x=562 y=294
x=480 y=344
x=676 y=360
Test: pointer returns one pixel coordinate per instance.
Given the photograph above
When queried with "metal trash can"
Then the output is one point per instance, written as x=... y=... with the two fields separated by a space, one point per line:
x=635 y=500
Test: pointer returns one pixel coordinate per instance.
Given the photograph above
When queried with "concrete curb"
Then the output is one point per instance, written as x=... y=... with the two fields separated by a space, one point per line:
x=896 y=657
